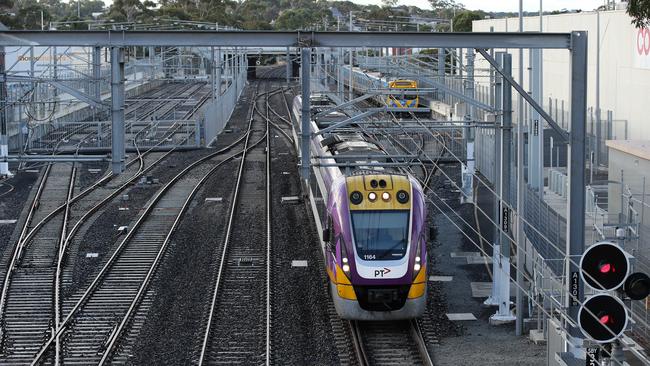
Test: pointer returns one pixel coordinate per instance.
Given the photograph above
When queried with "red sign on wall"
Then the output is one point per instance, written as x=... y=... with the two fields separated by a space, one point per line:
x=642 y=48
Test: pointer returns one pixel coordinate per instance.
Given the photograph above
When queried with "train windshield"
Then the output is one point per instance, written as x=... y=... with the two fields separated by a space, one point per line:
x=381 y=235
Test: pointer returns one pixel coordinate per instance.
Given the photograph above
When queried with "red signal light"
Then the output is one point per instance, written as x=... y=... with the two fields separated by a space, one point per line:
x=606 y=268
x=604 y=319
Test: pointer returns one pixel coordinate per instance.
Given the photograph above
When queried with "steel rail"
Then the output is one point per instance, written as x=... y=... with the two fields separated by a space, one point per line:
x=364 y=352
x=64 y=224
x=416 y=334
x=108 y=176
x=229 y=227
x=107 y=199
x=104 y=201
x=268 y=233
x=118 y=250
x=228 y=230
x=17 y=250
x=25 y=236
x=65 y=236
x=357 y=343
x=268 y=119
x=114 y=337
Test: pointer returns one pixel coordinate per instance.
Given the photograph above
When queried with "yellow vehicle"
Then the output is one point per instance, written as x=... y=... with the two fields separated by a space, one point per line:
x=401 y=100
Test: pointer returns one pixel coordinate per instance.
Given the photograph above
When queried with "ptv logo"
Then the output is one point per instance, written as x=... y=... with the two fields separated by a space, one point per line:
x=381 y=272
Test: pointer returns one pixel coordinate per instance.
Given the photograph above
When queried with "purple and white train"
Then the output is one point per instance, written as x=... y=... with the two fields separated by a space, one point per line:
x=372 y=223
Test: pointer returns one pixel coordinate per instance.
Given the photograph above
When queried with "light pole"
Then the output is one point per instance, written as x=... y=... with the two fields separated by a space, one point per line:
x=351 y=92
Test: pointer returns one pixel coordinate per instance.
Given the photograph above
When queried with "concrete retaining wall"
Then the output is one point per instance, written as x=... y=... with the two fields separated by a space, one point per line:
x=215 y=115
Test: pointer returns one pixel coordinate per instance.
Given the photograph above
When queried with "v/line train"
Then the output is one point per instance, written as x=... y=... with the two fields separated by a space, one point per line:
x=372 y=223
x=364 y=80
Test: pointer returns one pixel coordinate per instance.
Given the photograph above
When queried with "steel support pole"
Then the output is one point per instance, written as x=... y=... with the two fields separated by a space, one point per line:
x=576 y=166
x=351 y=81
x=288 y=65
x=226 y=65
x=152 y=60
x=305 y=129
x=213 y=78
x=235 y=71
x=24 y=130
x=4 y=140
x=351 y=92
x=317 y=67
x=491 y=97
x=535 y=129
x=441 y=70
x=468 y=169
x=117 y=109
x=493 y=300
x=339 y=75
x=97 y=72
x=521 y=185
x=97 y=86
x=503 y=314
x=32 y=63
x=598 y=111
x=218 y=80
x=55 y=68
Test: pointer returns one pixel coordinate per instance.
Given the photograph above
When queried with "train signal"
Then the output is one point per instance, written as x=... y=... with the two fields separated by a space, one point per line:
x=637 y=286
x=603 y=318
x=604 y=266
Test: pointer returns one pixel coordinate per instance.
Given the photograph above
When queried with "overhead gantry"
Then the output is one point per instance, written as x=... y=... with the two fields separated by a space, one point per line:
x=575 y=43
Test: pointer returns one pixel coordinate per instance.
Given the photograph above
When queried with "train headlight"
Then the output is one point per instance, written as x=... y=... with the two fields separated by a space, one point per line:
x=346 y=268
x=385 y=196
x=372 y=196
x=345 y=260
x=418 y=260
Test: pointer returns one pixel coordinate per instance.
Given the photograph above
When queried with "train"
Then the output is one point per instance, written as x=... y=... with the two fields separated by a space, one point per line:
x=364 y=80
x=371 y=222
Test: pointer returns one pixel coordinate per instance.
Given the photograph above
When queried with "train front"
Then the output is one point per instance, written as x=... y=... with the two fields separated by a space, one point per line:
x=402 y=100
x=377 y=250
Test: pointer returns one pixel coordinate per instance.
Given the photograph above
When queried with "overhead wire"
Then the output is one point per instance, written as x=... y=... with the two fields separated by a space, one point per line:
x=498 y=226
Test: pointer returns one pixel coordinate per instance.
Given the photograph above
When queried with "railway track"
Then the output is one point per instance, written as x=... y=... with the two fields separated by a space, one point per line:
x=238 y=325
x=36 y=269
x=94 y=324
x=98 y=316
x=389 y=343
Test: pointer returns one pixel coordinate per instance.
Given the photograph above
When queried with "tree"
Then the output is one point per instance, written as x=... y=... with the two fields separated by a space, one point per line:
x=639 y=10
x=295 y=19
x=441 y=4
x=445 y=8
x=129 y=11
x=388 y=3
x=463 y=20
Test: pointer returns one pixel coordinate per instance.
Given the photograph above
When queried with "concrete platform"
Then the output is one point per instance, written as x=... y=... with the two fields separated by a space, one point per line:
x=475 y=342
x=440 y=278
x=484 y=289
x=460 y=316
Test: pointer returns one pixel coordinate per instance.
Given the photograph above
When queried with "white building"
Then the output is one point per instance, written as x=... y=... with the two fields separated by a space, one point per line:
x=624 y=71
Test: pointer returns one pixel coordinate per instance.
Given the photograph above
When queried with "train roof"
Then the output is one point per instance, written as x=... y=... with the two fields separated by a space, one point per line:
x=347 y=146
